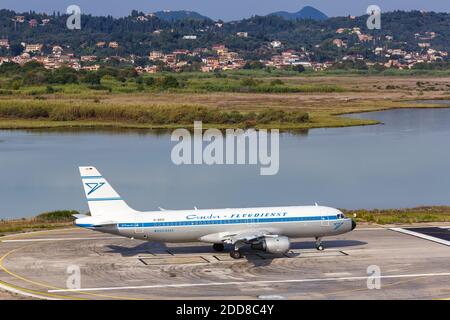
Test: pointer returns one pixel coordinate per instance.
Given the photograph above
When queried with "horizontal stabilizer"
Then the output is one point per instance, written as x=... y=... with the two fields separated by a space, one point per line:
x=105 y=224
x=80 y=216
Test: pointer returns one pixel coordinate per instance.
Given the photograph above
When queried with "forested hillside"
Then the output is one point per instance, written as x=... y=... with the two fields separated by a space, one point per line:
x=139 y=33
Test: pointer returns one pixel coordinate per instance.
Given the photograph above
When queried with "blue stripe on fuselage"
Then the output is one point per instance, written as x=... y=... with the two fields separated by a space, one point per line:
x=223 y=221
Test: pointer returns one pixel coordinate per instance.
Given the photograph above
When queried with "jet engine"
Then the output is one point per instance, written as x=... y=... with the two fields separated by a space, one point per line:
x=273 y=245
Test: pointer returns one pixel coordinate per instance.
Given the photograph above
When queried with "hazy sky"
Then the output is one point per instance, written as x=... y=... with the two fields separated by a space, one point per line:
x=226 y=10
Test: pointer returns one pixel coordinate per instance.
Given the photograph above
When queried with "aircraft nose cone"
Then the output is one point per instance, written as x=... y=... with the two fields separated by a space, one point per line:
x=353 y=224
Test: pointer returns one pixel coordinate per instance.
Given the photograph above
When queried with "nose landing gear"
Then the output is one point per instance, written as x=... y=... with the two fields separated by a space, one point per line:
x=319 y=245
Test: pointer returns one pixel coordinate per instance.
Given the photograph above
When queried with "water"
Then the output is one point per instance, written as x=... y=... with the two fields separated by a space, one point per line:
x=403 y=163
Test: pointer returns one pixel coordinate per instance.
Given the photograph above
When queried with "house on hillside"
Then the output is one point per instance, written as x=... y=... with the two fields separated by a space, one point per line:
x=33 y=47
x=33 y=23
x=4 y=43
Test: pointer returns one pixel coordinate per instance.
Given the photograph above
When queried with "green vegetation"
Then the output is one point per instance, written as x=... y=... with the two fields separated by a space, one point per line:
x=250 y=85
x=44 y=221
x=149 y=115
x=56 y=216
x=33 y=79
x=402 y=216
x=117 y=97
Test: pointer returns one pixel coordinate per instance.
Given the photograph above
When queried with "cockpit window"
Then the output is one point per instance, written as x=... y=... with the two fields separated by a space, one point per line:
x=341 y=216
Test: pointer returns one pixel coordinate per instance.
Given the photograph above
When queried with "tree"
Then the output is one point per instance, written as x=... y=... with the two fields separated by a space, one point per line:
x=32 y=65
x=64 y=75
x=16 y=49
x=35 y=77
x=150 y=81
x=92 y=78
x=252 y=65
x=140 y=61
x=167 y=82
x=299 y=68
x=9 y=68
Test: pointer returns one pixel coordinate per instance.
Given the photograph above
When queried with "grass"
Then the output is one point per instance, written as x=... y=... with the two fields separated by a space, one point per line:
x=41 y=114
x=251 y=85
x=315 y=122
x=330 y=72
x=238 y=99
x=402 y=216
x=181 y=83
x=140 y=115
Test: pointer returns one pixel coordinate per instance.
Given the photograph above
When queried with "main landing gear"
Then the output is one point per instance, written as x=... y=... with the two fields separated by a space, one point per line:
x=219 y=247
x=235 y=253
x=319 y=245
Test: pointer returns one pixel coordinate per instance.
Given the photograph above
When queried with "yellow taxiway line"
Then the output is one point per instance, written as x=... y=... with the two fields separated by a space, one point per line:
x=2 y=267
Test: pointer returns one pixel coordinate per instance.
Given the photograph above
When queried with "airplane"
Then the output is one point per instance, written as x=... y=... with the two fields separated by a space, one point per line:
x=266 y=229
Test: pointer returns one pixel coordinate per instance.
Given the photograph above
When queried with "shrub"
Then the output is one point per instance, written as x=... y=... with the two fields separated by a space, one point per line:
x=57 y=216
x=150 y=81
x=249 y=82
x=139 y=80
x=16 y=84
x=92 y=78
x=35 y=77
x=276 y=82
x=50 y=89
x=64 y=75
x=254 y=65
x=158 y=115
x=99 y=87
x=167 y=82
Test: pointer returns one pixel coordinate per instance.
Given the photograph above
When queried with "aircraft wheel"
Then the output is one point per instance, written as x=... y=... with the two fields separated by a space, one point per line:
x=235 y=254
x=319 y=245
x=219 y=247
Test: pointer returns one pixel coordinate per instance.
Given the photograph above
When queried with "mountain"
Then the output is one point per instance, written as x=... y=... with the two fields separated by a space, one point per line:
x=306 y=13
x=172 y=16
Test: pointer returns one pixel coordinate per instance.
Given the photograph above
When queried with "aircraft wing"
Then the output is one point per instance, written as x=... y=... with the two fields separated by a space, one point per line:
x=238 y=236
x=246 y=236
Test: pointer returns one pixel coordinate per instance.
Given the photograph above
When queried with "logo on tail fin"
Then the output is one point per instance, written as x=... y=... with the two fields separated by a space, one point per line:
x=94 y=186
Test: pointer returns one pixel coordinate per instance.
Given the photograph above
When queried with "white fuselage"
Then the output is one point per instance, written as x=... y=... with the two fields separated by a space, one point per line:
x=215 y=224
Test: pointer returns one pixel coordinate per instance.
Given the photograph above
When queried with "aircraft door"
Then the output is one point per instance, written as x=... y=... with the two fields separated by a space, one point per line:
x=324 y=222
x=138 y=224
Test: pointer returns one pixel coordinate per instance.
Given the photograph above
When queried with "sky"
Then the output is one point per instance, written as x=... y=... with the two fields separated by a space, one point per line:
x=225 y=10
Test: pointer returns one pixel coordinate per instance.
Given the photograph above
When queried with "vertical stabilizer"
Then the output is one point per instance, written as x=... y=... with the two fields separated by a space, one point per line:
x=102 y=199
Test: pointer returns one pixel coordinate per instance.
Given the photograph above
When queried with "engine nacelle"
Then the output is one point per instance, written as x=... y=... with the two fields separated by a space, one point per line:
x=273 y=245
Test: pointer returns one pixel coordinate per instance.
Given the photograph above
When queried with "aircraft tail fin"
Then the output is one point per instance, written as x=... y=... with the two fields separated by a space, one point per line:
x=102 y=199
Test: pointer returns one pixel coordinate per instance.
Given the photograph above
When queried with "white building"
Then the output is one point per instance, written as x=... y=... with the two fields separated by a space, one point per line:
x=275 y=44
